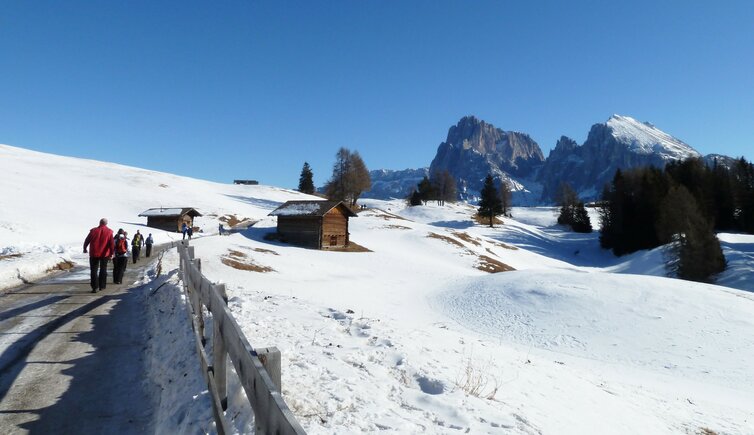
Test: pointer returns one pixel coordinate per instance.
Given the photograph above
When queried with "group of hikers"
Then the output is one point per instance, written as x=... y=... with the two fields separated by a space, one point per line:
x=102 y=245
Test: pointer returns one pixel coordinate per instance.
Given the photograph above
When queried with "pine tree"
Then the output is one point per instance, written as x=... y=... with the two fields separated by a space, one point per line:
x=415 y=199
x=489 y=200
x=426 y=190
x=305 y=181
x=694 y=251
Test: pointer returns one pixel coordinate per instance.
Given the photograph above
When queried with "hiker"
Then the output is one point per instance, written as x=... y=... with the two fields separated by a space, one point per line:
x=136 y=245
x=190 y=232
x=100 y=242
x=184 y=230
x=121 y=257
x=221 y=229
x=149 y=242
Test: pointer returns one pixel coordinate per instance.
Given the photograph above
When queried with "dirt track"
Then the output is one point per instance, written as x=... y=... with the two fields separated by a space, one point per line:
x=72 y=361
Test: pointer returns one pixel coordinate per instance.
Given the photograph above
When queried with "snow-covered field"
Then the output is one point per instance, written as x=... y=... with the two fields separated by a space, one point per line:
x=413 y=337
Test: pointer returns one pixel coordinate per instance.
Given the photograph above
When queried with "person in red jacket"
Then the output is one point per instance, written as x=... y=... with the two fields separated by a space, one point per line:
x=101 y=247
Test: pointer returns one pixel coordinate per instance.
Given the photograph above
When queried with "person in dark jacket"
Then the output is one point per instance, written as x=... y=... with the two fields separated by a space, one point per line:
x=101 y=246
x=184 y=229
x=121 y=257
x=136 y=244
x=148 y=243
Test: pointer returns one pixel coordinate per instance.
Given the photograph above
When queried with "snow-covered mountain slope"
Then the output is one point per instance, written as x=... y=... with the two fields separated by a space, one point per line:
x=48 y=204
x=415 y=336
x=619 y=143
x=645 y=138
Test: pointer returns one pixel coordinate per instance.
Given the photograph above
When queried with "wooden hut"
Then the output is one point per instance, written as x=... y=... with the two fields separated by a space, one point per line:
x=319 y=224
x=170 y=219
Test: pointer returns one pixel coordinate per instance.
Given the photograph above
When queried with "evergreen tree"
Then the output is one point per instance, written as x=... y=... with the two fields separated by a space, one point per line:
x=743 y=191
x=581 y=221
x=426 y=190
x=572 y=211
x=694 y=251
x=415 y=199
x=305 y=181
x=489 y=200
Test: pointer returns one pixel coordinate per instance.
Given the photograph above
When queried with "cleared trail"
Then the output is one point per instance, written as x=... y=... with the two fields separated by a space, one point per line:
x=72 y=361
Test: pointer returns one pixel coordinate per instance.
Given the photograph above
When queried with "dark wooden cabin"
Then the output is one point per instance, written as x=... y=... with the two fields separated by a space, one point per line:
x=319 y=224
x=170 y=219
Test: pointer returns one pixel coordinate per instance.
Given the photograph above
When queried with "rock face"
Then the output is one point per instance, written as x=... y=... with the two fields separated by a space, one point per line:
x=387 y=184
x=475 y=148
x=620 y=143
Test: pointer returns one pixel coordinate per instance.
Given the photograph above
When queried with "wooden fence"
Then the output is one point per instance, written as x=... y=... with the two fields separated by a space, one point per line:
x=257 y=369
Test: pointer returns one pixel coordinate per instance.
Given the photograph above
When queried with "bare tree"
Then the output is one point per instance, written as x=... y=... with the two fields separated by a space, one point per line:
x=505 y=197
x=444 y=187
x=350 y=177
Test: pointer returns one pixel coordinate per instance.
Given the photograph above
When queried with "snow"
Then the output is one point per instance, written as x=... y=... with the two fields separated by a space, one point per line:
x=411 y=337
x=645 y=138
x=162 y=212
x=297 y=210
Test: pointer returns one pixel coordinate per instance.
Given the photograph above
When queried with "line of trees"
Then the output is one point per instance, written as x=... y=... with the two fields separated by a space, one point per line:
x=439 y=187
x=682 y=205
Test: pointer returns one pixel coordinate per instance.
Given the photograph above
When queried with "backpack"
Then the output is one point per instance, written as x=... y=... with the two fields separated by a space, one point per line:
x=137 y=240
x=121 y=246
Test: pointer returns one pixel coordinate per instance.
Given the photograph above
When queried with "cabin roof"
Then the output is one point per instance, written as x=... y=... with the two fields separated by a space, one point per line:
x=309 y=208
x=170 y=212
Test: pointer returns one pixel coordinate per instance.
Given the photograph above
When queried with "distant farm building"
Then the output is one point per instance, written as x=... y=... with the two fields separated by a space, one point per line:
x=170 y=219
x=247 y=182
x=319 y=224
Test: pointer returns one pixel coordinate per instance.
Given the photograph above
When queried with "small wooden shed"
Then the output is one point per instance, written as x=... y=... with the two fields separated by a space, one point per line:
x=170 y=219
x=319 y=224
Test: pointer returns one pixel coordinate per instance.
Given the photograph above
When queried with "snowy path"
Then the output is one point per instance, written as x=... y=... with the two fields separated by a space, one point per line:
x=72 y=361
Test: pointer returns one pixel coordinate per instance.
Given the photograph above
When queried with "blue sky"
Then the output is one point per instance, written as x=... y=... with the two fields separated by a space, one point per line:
x=224 y=90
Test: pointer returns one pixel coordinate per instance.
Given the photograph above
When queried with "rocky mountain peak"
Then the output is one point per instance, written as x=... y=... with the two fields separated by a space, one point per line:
x=474 y=148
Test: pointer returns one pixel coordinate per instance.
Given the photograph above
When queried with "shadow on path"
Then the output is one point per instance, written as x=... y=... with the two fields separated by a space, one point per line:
x=107 y=391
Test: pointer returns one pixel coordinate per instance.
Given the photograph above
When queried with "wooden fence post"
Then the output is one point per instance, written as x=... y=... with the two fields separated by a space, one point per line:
x=270 y=358
x=219 y=353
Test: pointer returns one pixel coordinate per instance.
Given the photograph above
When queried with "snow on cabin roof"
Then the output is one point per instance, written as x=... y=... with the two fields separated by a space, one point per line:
x=167 y=212
x=308 y=208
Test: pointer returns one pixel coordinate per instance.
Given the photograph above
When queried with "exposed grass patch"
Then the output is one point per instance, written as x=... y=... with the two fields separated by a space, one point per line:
x=707 y=431
x=446 y=239
x=386 y=215
x=466 y=237
x=236 y=254
x=63 y=265
x=9 y=256
x=241 y=265
x=485 y=220
x=396 y=227
x=265 y=251
x=241 y=261
x=504 y=246
x=233 y=220
x=490 y=265
x=352 y=247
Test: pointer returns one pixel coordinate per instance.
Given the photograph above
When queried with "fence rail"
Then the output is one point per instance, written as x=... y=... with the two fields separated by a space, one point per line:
x=271 y=414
